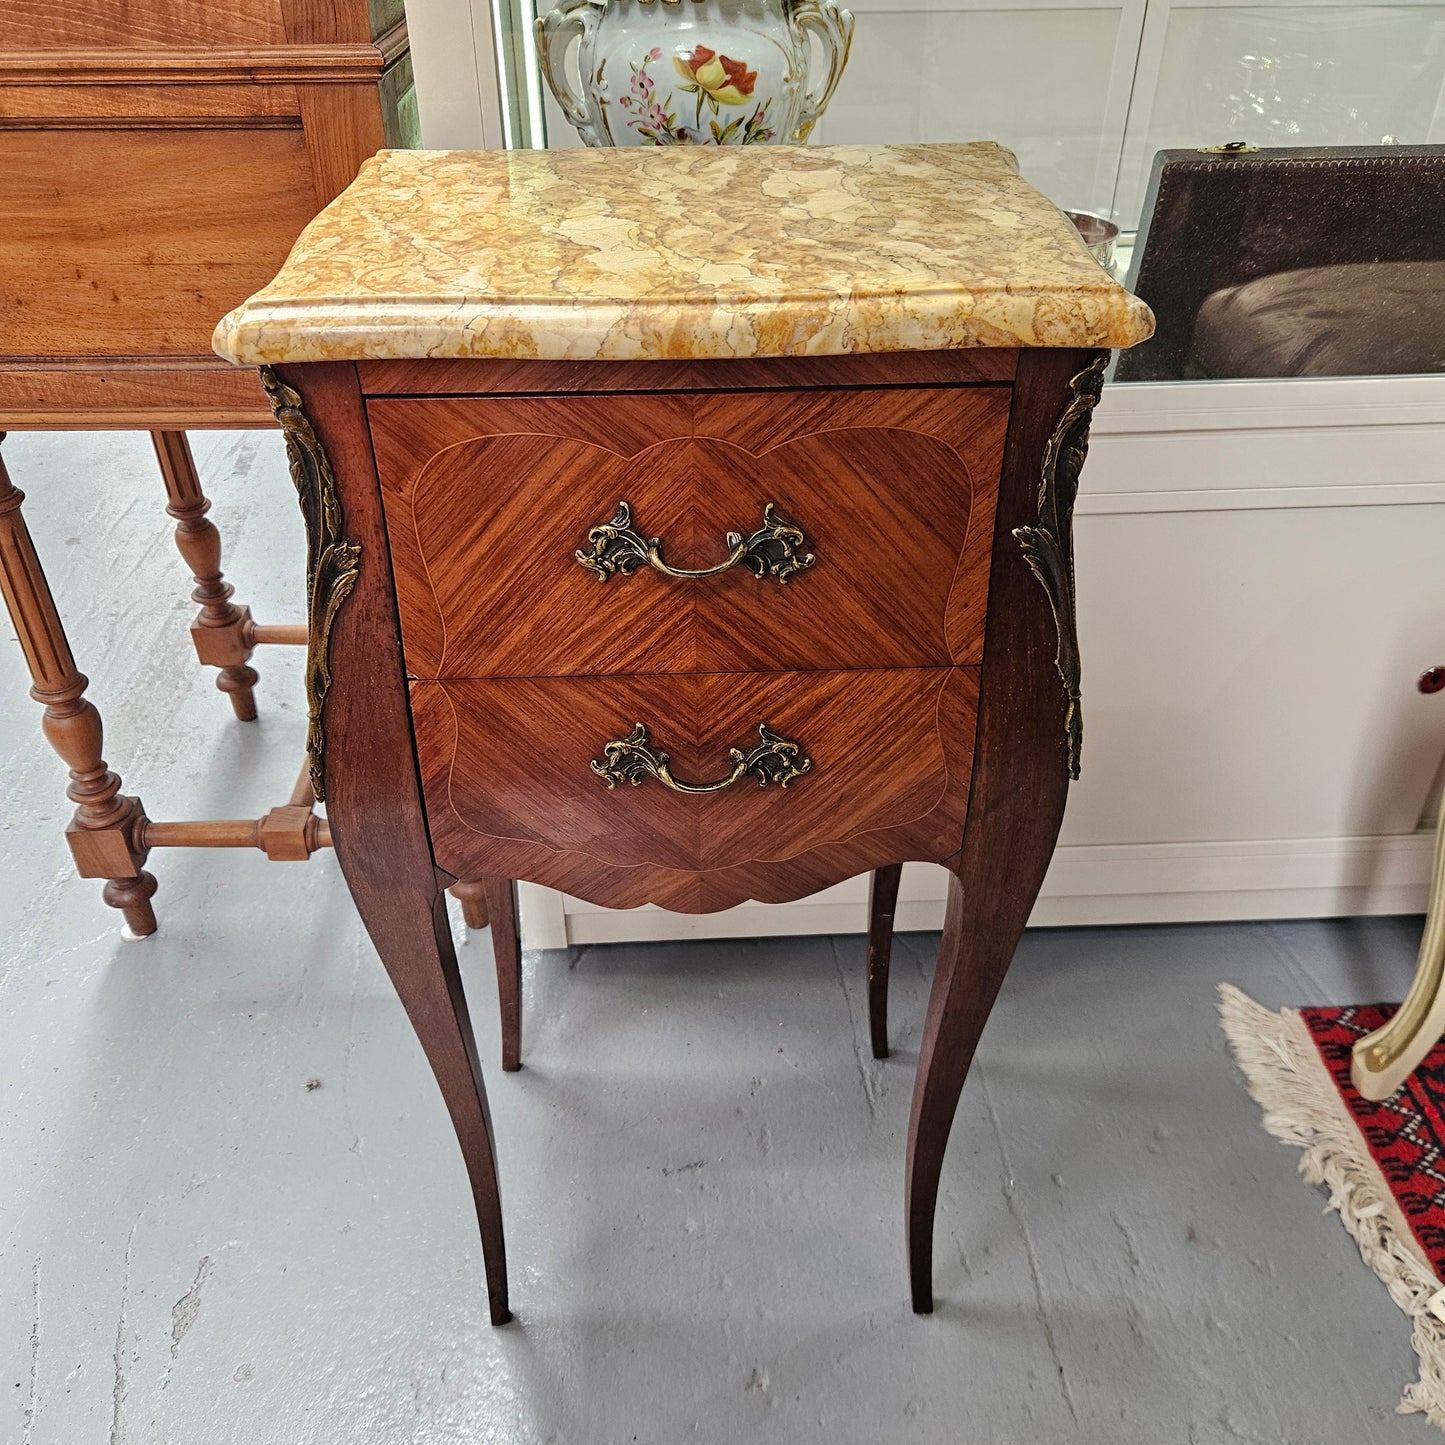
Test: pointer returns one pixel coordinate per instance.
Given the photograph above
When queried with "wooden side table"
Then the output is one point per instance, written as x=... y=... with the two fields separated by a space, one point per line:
x=160 y=157
x=689 y=527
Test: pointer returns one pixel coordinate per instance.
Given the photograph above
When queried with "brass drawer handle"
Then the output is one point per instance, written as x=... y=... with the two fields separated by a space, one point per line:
x=774 y=550
x=775 y=760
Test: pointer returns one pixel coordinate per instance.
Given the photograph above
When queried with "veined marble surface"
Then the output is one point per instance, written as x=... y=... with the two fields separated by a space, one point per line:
x=682 y=252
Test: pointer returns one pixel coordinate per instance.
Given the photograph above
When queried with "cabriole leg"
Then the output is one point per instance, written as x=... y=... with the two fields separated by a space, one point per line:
x=221 y=631
x=408 y=924
x=104 y=835
x=364 y=767
x=978 y=945
x=1026 y=749
x=501 y=895
x=882 y=900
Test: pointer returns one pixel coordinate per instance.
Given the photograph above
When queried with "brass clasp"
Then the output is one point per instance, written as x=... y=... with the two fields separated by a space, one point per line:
x=775 y=760
x=774 y=550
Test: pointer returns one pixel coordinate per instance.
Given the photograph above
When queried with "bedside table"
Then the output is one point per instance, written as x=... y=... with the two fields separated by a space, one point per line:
x=688 y=527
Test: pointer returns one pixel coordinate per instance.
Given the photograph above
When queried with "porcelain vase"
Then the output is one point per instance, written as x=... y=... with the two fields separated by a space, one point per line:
x=693 y=72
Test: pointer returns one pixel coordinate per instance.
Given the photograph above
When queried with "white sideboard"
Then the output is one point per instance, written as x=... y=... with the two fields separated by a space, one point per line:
x=1260 y=585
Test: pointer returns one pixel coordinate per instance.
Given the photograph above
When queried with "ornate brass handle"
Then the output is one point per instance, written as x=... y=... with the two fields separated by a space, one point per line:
x=774 y=550
x=775 y=760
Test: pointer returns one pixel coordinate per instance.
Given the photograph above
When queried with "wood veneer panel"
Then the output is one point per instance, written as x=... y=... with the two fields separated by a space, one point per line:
x=343 y=126
x=488 y=501
x=338 y=64
x=135 y=394
x=497 y=377
x=55 y=106
x=317 y=22
x=895 y=492
x=163 y=232
x=59 y=24
x=509 y=791
x=477 y=537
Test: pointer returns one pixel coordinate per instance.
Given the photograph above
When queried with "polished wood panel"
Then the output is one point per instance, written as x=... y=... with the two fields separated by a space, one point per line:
x=214 y=25
x=378 y=821
x=1020 y=784
x=160 y=157
x=496 y=377
x=128 y=393
x=33 y=99
x=488 y=500
x=111 y=287
x=187 y=68
x=509 y=789
x=63 y=24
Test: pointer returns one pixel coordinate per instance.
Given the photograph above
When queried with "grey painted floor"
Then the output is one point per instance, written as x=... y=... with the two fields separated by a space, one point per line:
x=702 y=1164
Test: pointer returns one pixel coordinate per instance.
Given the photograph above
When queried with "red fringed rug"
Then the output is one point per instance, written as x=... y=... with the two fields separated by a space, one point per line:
x=1384 y=1164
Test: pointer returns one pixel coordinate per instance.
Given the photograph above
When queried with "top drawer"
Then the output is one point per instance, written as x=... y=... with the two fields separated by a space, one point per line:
x=489 y=501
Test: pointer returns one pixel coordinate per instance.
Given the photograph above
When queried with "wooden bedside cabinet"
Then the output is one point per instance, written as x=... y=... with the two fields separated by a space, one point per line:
x=662 y=590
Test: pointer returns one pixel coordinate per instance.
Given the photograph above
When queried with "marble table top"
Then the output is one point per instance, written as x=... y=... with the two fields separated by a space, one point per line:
x=684 y=252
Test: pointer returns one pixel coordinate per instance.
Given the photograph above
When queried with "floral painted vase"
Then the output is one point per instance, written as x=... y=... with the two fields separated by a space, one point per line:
x=703 y=72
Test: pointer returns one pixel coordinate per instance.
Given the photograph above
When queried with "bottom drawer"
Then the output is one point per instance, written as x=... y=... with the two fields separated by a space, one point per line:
x=512 y=771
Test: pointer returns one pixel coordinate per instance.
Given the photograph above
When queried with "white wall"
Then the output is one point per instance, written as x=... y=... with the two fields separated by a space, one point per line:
x=453 y=55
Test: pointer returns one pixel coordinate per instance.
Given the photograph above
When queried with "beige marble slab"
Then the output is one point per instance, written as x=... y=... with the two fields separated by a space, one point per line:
x=682 y=252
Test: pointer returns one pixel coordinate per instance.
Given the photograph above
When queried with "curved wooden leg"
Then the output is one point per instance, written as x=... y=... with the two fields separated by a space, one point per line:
x=977 y=948
x=1024 y=751
x=473 y=898
x=365 y=770
x=501 y=895
x=408 y=924
x=1383 y=1060
x=105 y=834
x=882 y=900
x=221 y=628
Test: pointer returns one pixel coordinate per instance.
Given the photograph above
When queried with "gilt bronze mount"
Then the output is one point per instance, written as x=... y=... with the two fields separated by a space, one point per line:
x=332 y=562
x=776 y=549
x=1049 y=546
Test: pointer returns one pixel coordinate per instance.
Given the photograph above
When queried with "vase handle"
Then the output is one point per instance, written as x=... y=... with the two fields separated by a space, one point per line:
x=834 y=27
x=554 y=32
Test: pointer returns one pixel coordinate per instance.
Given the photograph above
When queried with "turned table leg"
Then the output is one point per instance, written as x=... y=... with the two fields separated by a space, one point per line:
x=882 y=900
x=1025 y=750
x=105 y=833
x=1383 y=1060
x=501 y=896
x=222 y=630
x=473 y=898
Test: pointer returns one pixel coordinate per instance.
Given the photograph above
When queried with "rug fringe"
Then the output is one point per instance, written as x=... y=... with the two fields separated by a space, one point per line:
x=1289 y=1081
